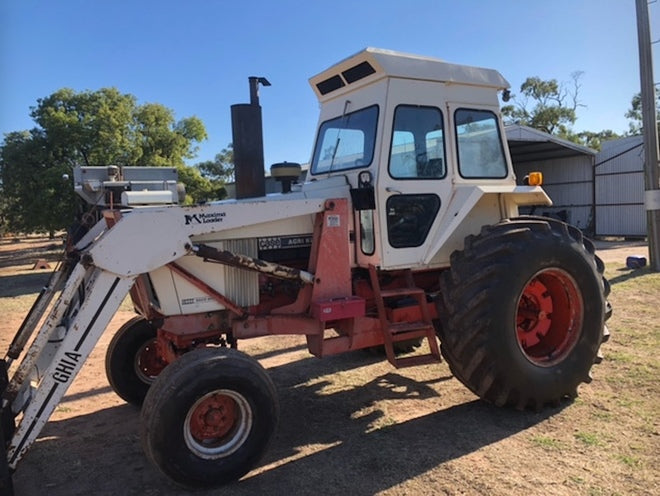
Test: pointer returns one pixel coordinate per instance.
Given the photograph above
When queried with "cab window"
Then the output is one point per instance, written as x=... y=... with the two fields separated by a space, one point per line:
x=409 y=218
x=346 y=142
x=417 y=150
x=479 y=144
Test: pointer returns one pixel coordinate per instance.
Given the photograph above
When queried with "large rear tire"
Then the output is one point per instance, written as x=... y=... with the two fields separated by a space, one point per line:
x=523 y=310
x=132 y=362
x=209 y=417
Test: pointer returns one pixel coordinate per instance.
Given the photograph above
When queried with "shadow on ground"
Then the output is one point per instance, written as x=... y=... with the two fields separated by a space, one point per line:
x=627 y=274
x=24 y=253
x=100 y=453
x=22 y=284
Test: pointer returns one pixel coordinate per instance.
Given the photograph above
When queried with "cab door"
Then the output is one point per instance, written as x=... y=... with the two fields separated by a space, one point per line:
x=413 y=181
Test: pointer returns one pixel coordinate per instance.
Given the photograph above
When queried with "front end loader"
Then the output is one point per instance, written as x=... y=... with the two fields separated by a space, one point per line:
x=406 y=228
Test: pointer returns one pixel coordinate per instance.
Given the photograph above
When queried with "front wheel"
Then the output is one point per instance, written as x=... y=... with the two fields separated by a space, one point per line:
x=209 y=417
x=132 y=361
x=523 y=312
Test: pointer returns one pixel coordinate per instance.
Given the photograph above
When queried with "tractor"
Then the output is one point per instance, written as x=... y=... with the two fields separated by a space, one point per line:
x=407 y=228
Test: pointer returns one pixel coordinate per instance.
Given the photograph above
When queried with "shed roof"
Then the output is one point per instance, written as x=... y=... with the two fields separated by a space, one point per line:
x=619 y=146
x=621 y=155
x=527 y=144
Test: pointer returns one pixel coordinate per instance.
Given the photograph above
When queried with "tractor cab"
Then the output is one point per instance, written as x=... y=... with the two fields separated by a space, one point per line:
x=416 y=138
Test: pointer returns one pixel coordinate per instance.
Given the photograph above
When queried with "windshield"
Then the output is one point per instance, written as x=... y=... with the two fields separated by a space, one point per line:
x=346 y=142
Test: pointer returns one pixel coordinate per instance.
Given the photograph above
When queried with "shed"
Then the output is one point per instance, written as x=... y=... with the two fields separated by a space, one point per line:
x=568 y=173
x=619 y=176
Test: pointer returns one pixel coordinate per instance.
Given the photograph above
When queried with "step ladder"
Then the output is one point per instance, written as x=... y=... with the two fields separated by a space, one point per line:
x=396 y=332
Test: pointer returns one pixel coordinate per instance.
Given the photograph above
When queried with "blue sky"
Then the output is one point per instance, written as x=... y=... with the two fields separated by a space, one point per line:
x=194 y=56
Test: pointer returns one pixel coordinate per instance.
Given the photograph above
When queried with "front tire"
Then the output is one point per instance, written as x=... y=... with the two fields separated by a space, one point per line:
x=132 y=362
x=523 y=312
x=209 y=417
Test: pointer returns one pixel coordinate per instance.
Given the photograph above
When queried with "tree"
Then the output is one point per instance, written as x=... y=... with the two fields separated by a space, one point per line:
x=551 y=107
x=221 y=168
x=88 y=128
x=592 y=139
x=546 y=105
x=219 y=171
x=162 y=141
x=635 y=114
x=199 y=189
x=35 y=196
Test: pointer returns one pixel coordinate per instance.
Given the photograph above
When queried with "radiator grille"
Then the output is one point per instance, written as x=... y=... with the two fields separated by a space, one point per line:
x=241 y=286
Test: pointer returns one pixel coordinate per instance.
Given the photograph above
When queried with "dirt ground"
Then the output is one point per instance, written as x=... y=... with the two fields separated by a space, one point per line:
x=349 y=425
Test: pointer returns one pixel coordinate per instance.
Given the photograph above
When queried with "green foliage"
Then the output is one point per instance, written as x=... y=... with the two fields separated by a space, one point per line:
x=162 y=141
x=629 y=460
x=35 y=196
x=545 y=105
x=551 y=107
x=592 y=139
x=588 y=438
x=199 y=188
x=89 y=128
x=210 y=176
x=548 y=443
x=635 y=114
x=221 y=168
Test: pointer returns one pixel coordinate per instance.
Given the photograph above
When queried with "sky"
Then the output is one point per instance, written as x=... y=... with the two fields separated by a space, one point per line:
x=195 y=56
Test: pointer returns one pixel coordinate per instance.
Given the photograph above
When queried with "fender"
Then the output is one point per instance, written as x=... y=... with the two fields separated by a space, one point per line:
x=465 y=202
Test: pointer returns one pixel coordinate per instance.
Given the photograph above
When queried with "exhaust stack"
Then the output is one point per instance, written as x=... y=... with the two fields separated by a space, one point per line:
x=247 y=139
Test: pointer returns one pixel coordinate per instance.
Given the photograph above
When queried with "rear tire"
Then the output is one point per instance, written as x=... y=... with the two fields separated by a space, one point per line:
x=209 y=417
x=132 y=362
x=523 y=310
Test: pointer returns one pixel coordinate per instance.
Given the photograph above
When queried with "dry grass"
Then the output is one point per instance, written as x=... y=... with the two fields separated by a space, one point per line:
x=352 y=424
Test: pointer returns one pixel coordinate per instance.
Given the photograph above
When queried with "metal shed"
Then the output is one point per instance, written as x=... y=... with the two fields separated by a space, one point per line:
x=619 y=176
x=568 y=173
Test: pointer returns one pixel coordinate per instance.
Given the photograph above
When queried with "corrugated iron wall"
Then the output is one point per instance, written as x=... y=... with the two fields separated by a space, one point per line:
x=619 y=176
x=568 y=181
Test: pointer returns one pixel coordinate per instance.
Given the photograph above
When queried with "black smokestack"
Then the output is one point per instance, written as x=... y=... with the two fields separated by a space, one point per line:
x=247 y=132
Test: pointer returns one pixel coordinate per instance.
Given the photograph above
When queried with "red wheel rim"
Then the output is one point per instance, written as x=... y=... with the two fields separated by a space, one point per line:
x=549 y=317
x=148 y=363
x=213 y=418
x=218 y=424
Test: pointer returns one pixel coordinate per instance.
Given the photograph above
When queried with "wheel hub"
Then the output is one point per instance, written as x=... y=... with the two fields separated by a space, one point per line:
x=148 y=364
x=549 y=317
x=213 y=418
x=534 y=310
x=218 y=423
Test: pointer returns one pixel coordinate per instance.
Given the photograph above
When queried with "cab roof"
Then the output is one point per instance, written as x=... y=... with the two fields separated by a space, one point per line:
x=372 y=64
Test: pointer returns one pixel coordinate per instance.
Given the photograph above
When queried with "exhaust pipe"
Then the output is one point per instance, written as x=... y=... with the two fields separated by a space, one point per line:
x=247 y=140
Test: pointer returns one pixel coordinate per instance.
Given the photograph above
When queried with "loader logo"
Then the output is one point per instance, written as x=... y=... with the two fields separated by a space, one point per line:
x=66 y=366
x=204 y=218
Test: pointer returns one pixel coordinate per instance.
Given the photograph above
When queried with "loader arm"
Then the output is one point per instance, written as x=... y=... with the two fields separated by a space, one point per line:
x=112 y=255
x=89 y=300
x=167 y=231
